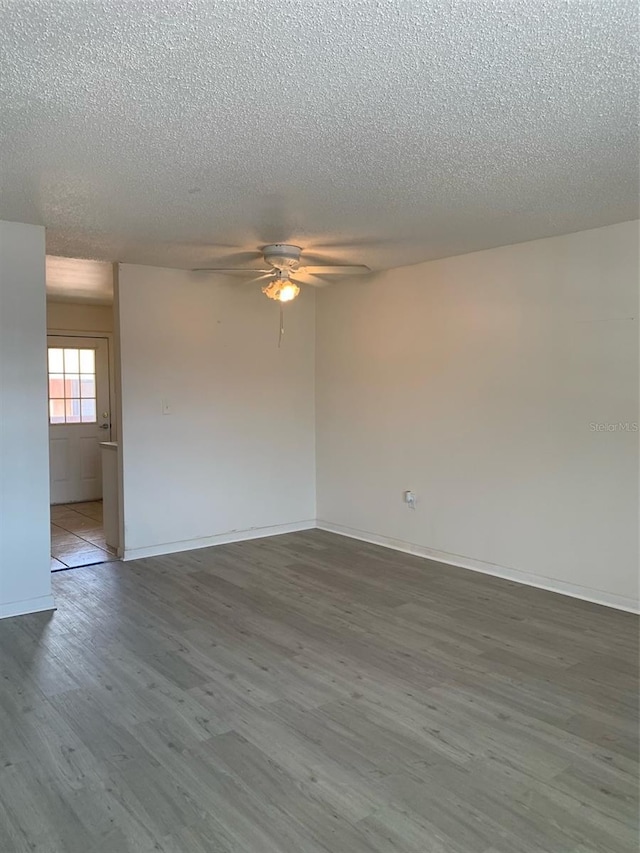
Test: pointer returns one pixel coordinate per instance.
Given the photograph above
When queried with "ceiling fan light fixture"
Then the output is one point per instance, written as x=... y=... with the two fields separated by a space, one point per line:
x=289 y=292
x=283 y=261
x=282 y=291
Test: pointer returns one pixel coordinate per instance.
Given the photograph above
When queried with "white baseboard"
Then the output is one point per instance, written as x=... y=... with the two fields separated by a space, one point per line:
x=29 y=605
x=596 y=596
x=220 y=539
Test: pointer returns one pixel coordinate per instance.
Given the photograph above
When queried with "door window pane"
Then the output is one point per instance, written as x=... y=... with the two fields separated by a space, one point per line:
x=72 y=385
x=56 y=385
x=72 y=411
x=88 y=411
x=56 y=411
x=87 y=385
x=87 y=361
x=56 y=361
x=71 y=361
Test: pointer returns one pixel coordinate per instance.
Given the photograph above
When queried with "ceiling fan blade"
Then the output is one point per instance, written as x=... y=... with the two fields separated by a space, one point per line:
x=231 y=270
x=261 y=277
x=354 y=269
x=236 y=259
x=301 y=277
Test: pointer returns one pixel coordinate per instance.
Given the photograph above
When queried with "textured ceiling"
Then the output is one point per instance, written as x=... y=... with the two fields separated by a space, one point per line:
x=374 y=131
x=71 y=280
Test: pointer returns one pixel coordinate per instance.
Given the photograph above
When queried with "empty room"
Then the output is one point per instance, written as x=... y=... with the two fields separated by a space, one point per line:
x=319 y=444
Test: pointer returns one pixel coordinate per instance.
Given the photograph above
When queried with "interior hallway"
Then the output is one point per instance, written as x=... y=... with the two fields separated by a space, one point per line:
x=77 y=536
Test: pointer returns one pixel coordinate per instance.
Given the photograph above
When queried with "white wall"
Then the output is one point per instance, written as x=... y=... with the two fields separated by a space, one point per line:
x=79 y=317
x=475 y=381
x=236 y=456
x=25 y=576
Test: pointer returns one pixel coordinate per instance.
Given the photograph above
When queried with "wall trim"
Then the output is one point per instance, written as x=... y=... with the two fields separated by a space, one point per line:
x=220 y=539
x=29 y=605
x=596 y=596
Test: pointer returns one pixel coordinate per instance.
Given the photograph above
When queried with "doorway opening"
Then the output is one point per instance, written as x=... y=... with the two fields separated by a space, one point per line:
x=79 y=423
x=81 y=411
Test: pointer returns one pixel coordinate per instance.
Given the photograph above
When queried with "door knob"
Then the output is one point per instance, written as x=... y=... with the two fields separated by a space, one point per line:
x=105 y=426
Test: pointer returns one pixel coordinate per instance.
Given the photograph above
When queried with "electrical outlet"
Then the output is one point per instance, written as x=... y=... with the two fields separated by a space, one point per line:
x=410 y=499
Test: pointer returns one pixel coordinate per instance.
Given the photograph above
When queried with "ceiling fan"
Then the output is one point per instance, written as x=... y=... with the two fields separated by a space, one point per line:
x=285 y=273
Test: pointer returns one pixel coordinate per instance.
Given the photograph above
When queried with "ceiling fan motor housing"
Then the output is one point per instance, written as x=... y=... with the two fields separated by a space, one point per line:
x=282 y=256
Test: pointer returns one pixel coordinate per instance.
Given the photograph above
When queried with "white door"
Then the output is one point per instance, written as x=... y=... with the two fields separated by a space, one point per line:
x=79 y=416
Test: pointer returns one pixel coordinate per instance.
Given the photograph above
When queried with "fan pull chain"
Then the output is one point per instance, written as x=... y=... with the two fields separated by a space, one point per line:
x=281 y=333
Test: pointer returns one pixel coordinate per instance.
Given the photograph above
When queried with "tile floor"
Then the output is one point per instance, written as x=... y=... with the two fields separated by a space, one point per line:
x=77 y=537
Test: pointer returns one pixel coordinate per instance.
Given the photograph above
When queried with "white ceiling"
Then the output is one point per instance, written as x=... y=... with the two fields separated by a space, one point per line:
x=181 y=132
x=77 y=280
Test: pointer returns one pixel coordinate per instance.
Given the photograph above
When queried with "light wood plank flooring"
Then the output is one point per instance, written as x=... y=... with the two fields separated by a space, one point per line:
x=307 y=693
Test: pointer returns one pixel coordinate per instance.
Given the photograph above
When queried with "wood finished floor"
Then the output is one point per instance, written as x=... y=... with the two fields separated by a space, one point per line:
x=308 y=693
